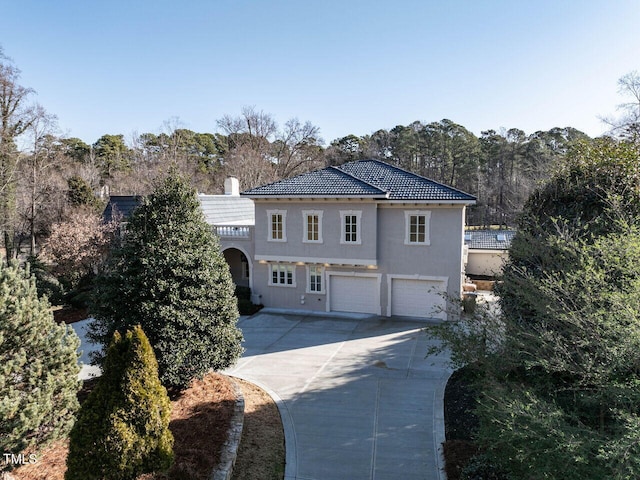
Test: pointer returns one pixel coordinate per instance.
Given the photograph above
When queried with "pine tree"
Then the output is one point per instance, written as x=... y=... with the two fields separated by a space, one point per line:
x=38 y=366
x=122 y=429
x=169 y=276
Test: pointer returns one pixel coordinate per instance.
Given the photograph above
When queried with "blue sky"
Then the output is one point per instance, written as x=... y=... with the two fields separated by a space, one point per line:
x=347 y=66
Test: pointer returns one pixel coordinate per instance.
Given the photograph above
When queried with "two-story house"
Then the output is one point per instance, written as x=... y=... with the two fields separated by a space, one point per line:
x=362 y=237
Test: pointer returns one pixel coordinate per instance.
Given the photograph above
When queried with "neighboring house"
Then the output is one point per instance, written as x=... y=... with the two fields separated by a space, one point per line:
x=120 y=206
x=486 y=251
x=362 y=237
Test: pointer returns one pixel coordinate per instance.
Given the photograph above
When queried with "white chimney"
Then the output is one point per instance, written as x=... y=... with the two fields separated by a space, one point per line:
x=232 y=186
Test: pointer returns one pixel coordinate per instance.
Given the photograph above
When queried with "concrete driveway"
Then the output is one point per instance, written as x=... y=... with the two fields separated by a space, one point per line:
x=357 y=397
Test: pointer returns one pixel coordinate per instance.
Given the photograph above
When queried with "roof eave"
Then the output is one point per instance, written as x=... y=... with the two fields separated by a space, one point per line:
x=433 y=201
x=373 y=196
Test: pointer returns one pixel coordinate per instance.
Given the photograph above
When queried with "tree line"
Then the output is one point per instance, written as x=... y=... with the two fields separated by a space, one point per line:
x=44 y=175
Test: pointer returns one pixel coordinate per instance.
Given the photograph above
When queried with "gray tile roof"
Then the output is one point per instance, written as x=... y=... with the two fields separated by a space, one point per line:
x=123 y=204
x=488 y=239
x=364 y=178
x=329 y=181
x=227 y=209
x=401 y=184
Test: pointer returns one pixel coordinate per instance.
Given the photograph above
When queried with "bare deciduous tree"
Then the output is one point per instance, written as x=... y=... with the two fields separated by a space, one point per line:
x=627 y=125
x=36 y=184
x=16 y=115
x=255 y=141
x=78 y=246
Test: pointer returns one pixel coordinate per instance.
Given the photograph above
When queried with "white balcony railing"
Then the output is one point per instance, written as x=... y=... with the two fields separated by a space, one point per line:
x=232 y=231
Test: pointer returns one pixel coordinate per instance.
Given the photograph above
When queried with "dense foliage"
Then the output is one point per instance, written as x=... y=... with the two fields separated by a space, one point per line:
x=122 y=429
x=169 y=276
x=38 y=366
x=597 y=186
x=560 y=367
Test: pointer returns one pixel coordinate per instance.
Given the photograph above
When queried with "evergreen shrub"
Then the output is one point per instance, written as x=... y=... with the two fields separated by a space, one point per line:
x=38 y=366
x=122 y=429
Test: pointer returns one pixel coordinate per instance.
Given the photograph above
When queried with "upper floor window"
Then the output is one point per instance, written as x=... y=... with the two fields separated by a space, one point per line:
x=350 y=220
x=417 y=227
x=312 y=226
x=277 y=225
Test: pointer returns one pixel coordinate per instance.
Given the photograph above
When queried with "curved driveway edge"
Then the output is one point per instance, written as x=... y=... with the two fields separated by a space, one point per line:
x=287 y=427
x=230 y=448
x=357 y=397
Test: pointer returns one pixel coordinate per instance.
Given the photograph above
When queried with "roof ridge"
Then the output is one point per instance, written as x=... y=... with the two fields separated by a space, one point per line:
x=415 y=175
x=337 y=167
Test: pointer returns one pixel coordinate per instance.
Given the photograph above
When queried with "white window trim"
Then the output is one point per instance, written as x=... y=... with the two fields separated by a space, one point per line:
x=427 y=226
x=358 y=215
x=305 y=228
x=323 y=279
x=293 y=275
x=270 y=214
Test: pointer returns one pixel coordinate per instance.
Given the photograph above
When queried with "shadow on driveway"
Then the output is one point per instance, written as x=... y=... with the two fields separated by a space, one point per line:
x=358 y=398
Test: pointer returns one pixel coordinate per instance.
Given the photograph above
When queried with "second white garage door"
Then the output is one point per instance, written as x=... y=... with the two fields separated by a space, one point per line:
x=354 y=294
x=418 y=298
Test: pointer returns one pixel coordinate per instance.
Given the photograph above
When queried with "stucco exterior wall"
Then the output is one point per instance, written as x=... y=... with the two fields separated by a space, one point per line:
x=331 y=248
x=382 y=253
x=441 y=258
x=486 y=262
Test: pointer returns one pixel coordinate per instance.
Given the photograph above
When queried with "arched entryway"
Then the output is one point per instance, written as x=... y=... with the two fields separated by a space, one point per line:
x=239 y=266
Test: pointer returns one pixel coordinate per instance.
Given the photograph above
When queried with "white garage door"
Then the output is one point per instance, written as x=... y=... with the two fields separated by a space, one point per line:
x=354 y=294
x=417 y=298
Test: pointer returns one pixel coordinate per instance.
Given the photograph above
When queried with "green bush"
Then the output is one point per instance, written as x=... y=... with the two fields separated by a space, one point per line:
x=47 y=284
x=243 y=293
x=122 y=428
x=80 y=298
x=170 y=277
x=38 y=366
x=559 y=393
x=246 y=307
x=482 y=467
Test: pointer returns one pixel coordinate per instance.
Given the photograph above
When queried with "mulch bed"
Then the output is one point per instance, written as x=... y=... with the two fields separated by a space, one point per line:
x=460 y=423
x=70 y=315
x=261 y=454
x=200 y=419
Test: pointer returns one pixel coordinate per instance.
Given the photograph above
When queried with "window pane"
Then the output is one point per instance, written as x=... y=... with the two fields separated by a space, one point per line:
x=315 y=279
x=417 y=229
x=350 y=228
x=312 y=227
x=276 y=226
